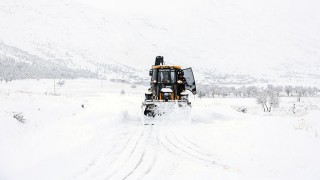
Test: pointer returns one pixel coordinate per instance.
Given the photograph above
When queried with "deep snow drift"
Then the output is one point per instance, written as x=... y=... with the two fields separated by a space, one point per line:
x=91 y=131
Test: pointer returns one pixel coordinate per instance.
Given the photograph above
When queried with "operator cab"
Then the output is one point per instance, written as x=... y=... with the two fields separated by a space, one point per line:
x=170 y=82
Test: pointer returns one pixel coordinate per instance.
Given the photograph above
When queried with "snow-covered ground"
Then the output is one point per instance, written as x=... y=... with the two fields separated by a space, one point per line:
x=105 y=139
x=88 y=129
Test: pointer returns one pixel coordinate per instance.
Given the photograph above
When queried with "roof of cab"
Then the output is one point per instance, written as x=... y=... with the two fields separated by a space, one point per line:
x=166 y=67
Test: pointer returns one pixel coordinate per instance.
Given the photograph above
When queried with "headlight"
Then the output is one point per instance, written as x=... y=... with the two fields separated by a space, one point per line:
x=154 y=81
x=179 y=82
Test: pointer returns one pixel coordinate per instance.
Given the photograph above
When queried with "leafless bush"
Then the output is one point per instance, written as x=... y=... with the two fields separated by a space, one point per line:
x=122 y=92
x=19 y=117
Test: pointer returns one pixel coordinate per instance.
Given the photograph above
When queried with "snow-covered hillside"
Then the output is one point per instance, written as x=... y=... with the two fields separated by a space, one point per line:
x=91 y=131
x=18 y=64
x=269 y=39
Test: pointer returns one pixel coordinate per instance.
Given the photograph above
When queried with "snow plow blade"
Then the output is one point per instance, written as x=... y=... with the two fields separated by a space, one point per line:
x=159 y=108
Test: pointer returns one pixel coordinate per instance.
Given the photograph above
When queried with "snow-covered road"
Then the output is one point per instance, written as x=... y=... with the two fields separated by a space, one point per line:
x=106 y=139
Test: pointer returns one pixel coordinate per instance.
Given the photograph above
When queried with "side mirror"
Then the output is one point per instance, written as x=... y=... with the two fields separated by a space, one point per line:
x=150 y=72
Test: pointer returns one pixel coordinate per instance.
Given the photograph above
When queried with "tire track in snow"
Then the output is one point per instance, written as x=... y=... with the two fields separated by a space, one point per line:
x=175 y=164
x=135 y=167
x=191 y=146
x=142 y=159
x=186 y=152
x=175 y=146
x=149 y=157
x=98 y=160
x=127 y=157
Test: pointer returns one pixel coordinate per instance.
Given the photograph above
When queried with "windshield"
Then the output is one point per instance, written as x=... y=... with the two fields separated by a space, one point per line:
x=166 y=76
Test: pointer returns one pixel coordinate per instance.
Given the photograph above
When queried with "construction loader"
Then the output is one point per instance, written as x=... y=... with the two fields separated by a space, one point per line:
x=169 y=89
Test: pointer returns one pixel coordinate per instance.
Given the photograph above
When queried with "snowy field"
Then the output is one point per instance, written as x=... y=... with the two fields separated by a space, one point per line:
x=90 y=131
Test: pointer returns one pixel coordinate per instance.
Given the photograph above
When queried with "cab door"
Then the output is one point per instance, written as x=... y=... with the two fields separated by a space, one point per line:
x=191 y=84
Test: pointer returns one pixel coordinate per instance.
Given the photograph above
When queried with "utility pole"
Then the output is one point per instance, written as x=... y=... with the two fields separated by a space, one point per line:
x=101 y=82
x=54 y=86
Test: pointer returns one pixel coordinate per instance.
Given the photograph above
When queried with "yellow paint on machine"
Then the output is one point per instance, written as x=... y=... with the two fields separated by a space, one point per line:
x=166 y=67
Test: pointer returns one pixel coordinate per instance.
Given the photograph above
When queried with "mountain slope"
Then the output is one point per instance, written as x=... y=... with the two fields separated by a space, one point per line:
x=18 y=64
x=254 y=37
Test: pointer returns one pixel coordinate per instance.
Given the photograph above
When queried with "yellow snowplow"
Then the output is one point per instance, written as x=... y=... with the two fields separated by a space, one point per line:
x=168 y=88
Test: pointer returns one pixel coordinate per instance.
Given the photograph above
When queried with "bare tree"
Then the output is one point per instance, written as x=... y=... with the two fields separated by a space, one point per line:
x=224 y=91
x=201 y=94
x=288 y=90
x=213 y=90
x=301 y=91
x=278 y=90
x=243 y=91
x=237 y=92
x=268 y=100
x=203 y=90
x=273 y=101
x=262 y=99
x=251 y=91
x=316 y=90
x=61 y=83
